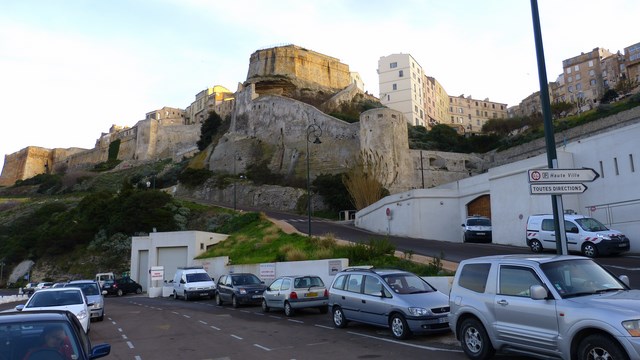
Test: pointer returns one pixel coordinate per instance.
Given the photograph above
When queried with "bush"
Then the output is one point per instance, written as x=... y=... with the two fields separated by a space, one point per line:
x=236 y=223
x=191 y=178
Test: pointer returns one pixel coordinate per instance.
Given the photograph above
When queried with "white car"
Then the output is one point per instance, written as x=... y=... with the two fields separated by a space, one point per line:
x=68 y=298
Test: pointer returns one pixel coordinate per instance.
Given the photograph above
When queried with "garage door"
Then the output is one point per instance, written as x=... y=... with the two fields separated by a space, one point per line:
x=480 y=206
x=143 y=269
x=171 y=258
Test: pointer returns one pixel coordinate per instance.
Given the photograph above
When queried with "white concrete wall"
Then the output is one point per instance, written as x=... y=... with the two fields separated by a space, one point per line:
x=437 y=213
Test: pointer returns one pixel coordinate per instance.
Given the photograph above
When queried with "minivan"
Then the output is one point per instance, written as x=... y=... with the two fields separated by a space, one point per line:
x=584 y=234
x=192 y=282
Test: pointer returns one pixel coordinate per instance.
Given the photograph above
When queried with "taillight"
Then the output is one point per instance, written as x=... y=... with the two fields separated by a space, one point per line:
x=326 y=293
x=293 y=295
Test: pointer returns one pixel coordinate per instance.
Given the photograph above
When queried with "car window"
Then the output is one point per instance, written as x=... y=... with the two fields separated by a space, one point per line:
x=355 y=283
x=580 y=277
x=548 y=225
x=339 y=283
x=474 y=277
x=275 y=286
x=590 y=224
x=372 y=285
x=195 y=277
x=516 y=280
x=34 y=335
x=479 y=222
x=286 y=284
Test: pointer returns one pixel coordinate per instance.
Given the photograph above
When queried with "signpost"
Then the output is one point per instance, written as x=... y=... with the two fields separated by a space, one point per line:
x=562 y=175
x=557 y=189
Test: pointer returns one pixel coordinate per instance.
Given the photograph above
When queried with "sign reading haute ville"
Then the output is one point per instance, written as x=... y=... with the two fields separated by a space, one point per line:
x=560 y=181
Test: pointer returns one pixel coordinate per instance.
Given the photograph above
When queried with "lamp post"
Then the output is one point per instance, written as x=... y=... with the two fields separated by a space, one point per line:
x=313 y=130
x=236 y=158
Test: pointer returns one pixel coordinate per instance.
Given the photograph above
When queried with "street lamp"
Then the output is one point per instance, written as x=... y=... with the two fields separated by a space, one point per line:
x=236 y=158
x=313 y=130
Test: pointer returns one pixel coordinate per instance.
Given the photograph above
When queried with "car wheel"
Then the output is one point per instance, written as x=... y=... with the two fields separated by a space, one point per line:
x=234 y=301
x=139 y=291
x=339 y=320
x=536 y=246
x=589 y=250
x=218 y=300
x=265 y=308
x=324 y=309
x=475 y=341
x=399 y=327
x=120 y=292
x=288 y=310
x=600 y=347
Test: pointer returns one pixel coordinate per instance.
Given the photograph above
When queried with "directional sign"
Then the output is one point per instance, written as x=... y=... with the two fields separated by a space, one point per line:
x=557 y=189
x=562 y=175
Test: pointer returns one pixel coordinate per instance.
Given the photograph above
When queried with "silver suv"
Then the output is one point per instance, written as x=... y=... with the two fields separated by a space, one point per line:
x=395 y=299
x=547 y=306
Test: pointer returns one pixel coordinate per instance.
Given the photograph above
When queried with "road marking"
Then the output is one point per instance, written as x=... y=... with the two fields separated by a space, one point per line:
x=262 y=347
x=203 y=322
x=275 y=317
x=120 y=329
x=404 y=343
x=236 y=336
x=259 y=313
x=124 y=337
x=130 y=344
x=296 y=321
x=113 y=322
x=177 y=313
x=187 y=316
x=325 y=327
x=623 y=267
x=245 y=311
x=314 y=344
x=214 y=328
x=137 y=357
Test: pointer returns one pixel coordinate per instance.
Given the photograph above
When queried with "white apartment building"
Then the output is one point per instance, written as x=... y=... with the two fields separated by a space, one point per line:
x=401 y=81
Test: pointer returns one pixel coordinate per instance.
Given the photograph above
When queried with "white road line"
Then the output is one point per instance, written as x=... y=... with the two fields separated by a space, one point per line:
x=177 y=313
x=202 y=322
x=258 y=313
x=124 y=337
x=325 y=327
x=236 y=336
x=187 y=316
x=245 y=311
x=137 y=357
x=113 y=322
x=262 y=347
x=214 y=328
x=404 y=343
x=275 y=317
x=130 y=344
x=623 y=267
x=296 y=321
x=119 y=329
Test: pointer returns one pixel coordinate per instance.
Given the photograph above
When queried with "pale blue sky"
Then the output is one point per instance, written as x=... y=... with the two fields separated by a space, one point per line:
x=69 y=69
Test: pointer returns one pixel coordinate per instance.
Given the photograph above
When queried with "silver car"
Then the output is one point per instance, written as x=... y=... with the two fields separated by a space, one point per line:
x=93 y=293
x=296 y=292
x=548 y=306
x=399 y=300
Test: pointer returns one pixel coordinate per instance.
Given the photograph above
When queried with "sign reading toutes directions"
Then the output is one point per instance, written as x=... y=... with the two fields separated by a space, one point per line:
x=560 y=181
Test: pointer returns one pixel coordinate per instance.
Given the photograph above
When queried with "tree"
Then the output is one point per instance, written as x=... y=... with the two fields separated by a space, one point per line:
x=560 y=107
x=362 y=182
x=333 y=191
x=625 y=86
x=208 y=130
x=609 y=96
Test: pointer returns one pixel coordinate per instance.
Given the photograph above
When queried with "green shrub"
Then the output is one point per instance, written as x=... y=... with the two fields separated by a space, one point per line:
x=236 y=223
x=191 y=178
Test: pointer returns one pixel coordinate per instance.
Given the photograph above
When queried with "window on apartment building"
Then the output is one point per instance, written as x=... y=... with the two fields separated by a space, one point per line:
x=469 y=116
x=590 y=63
x=501 y=107
x=493 y=106
x=485 y=104
x=400 y=73
x=485 y=114
x=415 y=108
x=394 y=86
x=393 y=65
x=578 y=87
x=570 y=88
x=461 y=110
x=388 y=97
x=476 y=103
x=452 y=120
x=478 y=122
x=633 y=167
x=622 y=68
x=578 y=77
x=495 y=115
x=615 y=165
x=450 y=108
x=593 y=82
x=570 y=79
x=592 y=73
x=477 y=112
x=606 y=82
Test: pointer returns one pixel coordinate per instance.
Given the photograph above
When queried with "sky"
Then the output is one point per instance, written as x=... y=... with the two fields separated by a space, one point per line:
x=69 y=69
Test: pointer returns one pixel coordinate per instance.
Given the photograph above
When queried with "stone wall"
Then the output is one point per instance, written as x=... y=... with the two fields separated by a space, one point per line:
x=32 y=161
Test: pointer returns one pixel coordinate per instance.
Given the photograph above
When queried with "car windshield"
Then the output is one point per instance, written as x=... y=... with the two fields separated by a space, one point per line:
x=580 y=277
x=308 y=282
x=406 y=283
x=23 y=338
x=195 y=277
x=54 y=298
x=88 y=289
x=590 y=224
x=479 y=222
x=249 y=279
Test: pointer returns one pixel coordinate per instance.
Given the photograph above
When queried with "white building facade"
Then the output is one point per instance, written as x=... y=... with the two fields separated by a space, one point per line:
x=401 y=87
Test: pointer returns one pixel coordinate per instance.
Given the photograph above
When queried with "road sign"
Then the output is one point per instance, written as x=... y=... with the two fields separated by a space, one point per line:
x=562 y=175
x=557 y=189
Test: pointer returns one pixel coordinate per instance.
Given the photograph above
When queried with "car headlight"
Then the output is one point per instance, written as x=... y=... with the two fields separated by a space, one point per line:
x=82 y=315
x=632 y=326
x=604 y=236
x=242 y=291
x=416 y=311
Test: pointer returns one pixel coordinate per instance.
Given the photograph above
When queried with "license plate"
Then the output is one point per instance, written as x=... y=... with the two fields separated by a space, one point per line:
x=311 y=294
x=257 y=296
x=481 y=234
x=622 y=245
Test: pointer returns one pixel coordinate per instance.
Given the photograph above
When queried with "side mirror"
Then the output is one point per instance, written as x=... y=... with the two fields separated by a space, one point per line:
x=625 y=280
x=538 y=292
x=20 y=307
x=462 y=225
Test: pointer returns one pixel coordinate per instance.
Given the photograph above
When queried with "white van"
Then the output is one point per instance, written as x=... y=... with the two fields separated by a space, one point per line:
x=584 y=234
x=191 y=282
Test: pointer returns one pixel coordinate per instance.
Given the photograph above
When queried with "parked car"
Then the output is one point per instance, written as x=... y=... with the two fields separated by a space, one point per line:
x=122 y=286
x=240 y=288
x=43 y=285
x=549 y=306
x=399 y=300
x=291 y=293
x=102 y=277
x=584 y=234
x=68 y=298
x=22 y=335
x=476 y=229
x=191 y=282
x=58 y=285
x=29 y=288
x=91 y=289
